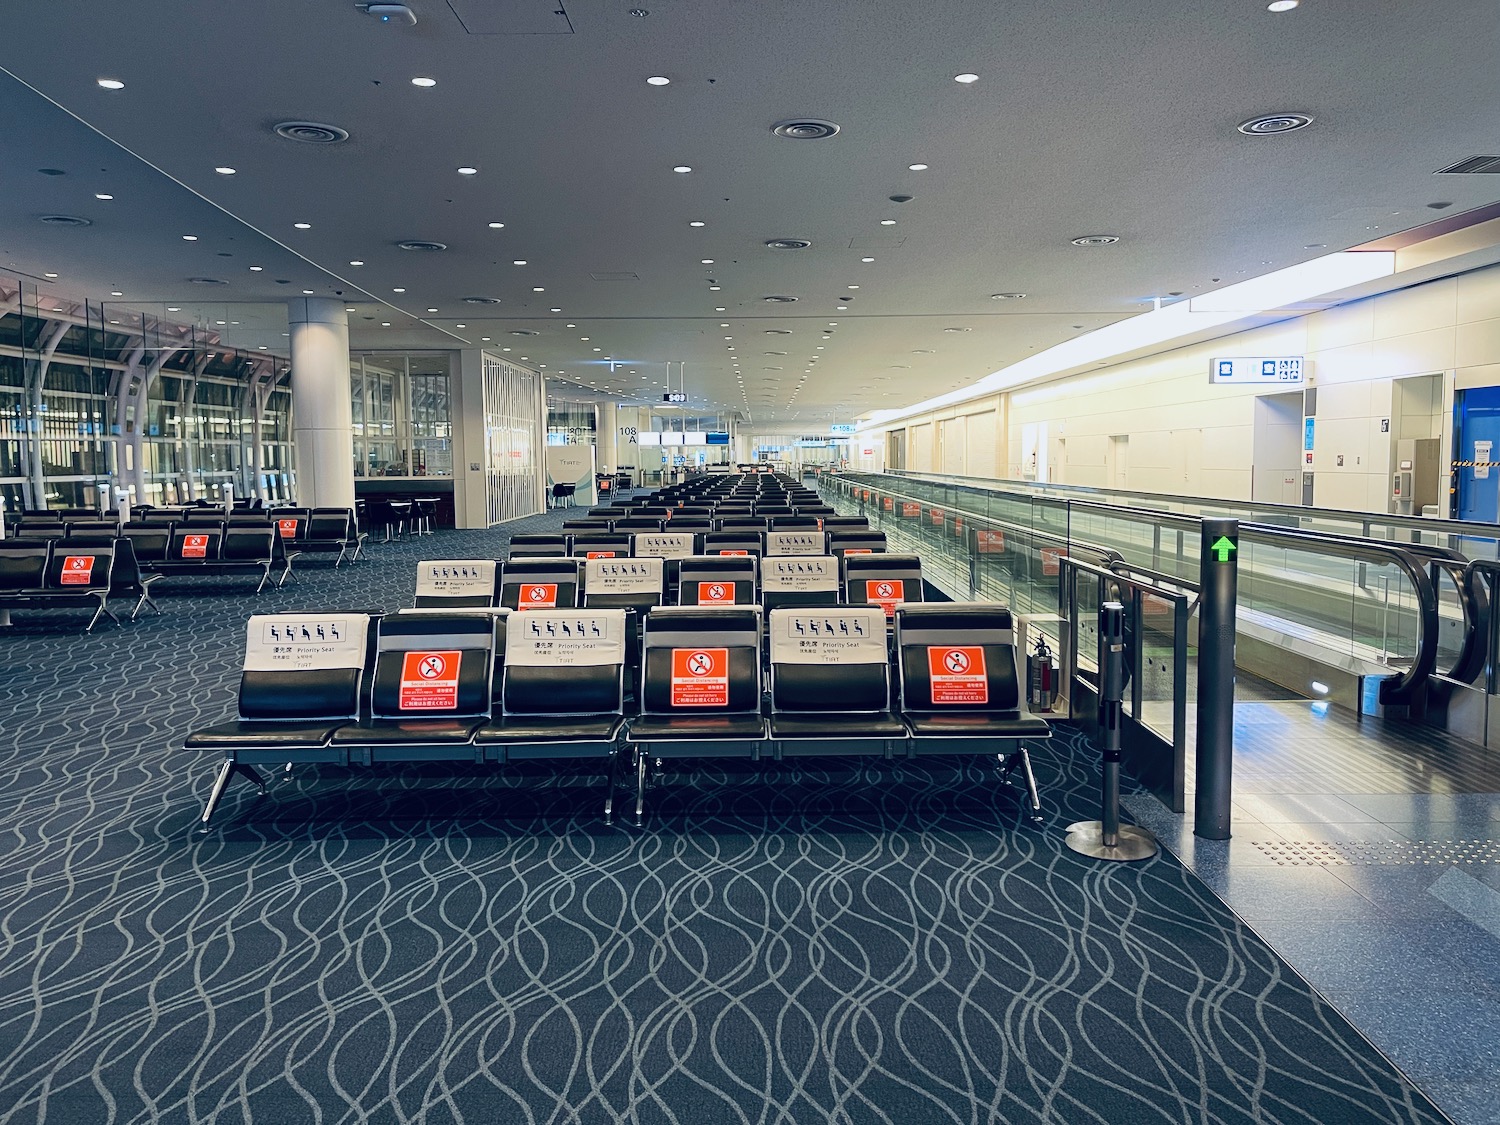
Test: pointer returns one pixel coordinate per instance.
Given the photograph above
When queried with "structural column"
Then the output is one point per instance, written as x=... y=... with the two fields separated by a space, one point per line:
x=322 y=426
x=608 y=435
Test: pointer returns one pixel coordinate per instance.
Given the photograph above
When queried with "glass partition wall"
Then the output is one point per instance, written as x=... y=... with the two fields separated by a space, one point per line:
x=403 y=424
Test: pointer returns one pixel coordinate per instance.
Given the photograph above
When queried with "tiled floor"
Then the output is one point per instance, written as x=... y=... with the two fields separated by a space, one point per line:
x=1410 y=951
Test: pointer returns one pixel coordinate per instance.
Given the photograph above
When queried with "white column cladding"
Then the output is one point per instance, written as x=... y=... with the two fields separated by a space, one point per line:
x=322 y=425
x=608 y=433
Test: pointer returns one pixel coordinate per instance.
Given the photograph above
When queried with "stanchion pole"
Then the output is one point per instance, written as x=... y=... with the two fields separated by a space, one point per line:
x=1107 y=838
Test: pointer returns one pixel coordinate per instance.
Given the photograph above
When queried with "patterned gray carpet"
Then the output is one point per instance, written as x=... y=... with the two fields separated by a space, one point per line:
x=833 y=941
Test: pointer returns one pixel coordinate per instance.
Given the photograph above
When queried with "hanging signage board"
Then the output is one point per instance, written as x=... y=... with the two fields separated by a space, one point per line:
x=1278 y=371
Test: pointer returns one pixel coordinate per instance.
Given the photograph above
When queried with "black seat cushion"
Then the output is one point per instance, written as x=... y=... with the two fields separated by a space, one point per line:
x=977 y=725
x=550 y=728
x=243 y=735
x=669 y=727
x=406 y=732
x=838 y=725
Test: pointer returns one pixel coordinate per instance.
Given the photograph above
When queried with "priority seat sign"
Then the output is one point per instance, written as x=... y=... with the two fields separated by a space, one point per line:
x=429 y=681
x=957 y=674
x=77 y=570
x=700 y=677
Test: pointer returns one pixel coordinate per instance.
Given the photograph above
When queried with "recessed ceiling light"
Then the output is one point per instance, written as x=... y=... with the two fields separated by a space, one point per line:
x=466 y=170
x=707 y=261
x=350 y=309
x=356 y=262
x=102 y=195
x=585 y=339
x=572 y=326
x=556 y=310
x=697 y=223
x=225 y=170
x=424 y=81
x=261 y=347
x=1282 y=5
x=658 y=80
x=432 y=310
x=537 y=289
x=303 y=226
x=519 y=262
x=398 y=290
x=917 y=167
x=385 y=324
x=497 y=226
x=842 y=308
x=111 y=84
x=851 y=287
x=116 y=293
x=682 y=168
x=460 y=326
x=966 y=78
x=49 y=275
x=1006 y=296
x=256 y=269
x=714 y=288
x=1095 y=240
x=887 y=222
x=307 y=292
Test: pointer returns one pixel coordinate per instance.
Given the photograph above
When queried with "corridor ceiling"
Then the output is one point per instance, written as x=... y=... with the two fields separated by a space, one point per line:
x=1084 y=119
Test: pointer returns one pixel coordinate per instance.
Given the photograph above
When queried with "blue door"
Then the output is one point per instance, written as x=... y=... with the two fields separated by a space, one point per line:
x=1478 y=413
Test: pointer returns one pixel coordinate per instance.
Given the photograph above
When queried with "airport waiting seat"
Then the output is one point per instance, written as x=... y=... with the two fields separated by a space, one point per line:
x=52 y=574
x=833 y=523
x=431 y=687
x=532 y=545
x=700 y=690
x=807 y=541
x=551 y=583
x=300 y=682
x=800 y=581
x=798 y=522
x=752 y=543
x=742 y=523
x=831 y=683
x=718 y=580
x=883 y=580
x=582 y=524
x=600 y=545
x=843 y=542
x=639 y=523
x=456 y=584
x=960 y=688
x=633 y=585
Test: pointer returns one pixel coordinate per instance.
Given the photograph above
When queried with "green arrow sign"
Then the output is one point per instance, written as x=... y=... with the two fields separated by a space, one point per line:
x=1221 y=548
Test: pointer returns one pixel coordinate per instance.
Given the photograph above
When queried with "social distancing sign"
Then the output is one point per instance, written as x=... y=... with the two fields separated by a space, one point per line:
x=716 y=593
x=957 y=674
x=990 y=542
x=910 y=509
x=195 y=546
x=1050 y=557
x=700 y=677
x=287 y=528
x=429 y=681
x=77 y=570
x=887 y=593
x=734 y=552
x=600 y=554
x=538 y=595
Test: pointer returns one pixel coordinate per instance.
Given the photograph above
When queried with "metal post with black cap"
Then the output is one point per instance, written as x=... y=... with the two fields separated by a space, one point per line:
x=1218 y=577
x=1107 y=838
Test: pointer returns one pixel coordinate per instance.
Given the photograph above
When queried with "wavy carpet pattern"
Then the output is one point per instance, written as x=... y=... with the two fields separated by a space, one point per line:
x=831 y=941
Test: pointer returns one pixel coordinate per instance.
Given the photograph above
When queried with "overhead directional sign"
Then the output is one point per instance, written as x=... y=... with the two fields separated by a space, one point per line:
x=842 y=428
x=1286 y=370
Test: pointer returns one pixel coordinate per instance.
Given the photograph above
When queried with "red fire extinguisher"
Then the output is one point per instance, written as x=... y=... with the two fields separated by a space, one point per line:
x=1041 y=677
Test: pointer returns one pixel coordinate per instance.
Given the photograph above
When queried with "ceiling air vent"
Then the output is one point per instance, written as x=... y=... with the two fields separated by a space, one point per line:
x=1474 y=166
x=67 y=220
x=778 y=331
x=1270 y=124
x=807 y=129
x=311 y=133
x=524 y=332
x=208 y=281
x=616 y=275
x=422 y=245
x=778 y=300
x=788 y=243
x=481 y=300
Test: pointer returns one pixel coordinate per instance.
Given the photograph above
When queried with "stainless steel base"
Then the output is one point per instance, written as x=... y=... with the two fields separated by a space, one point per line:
x=1131 y=843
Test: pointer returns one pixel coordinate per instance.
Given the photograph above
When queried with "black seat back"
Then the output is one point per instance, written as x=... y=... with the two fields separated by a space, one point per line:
x=718 y=580
x=247 y=544
x=151 y=543
x=884 y=580
x=290 y=528
x=742 y=523
x=456 y=584
x=565 y=662
x=23 y=564
x=734 y=543
x=601 y=545
x=433 y=665
x=329 y=525
x=195 y=542
x=855 y=542
x=811 y=580
x=639 y=523
x=303 y=666
x=539 y=544
x=701 y=660
x=74 y=567
x=551 y=583
x=829 y=660
x=957 y=656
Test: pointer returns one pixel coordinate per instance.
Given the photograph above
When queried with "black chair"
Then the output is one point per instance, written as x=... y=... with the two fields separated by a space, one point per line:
x=301 y=681
x=843 y=542
x=456 y=584
x=600 y=545
x=752 y=543
x=960 y=688
x=718 y=580
x=562 y=495
x=831 y=683
x=700 y=688
x=883 y=580
x=799 y=581
x=809 y=541
x=551 y=583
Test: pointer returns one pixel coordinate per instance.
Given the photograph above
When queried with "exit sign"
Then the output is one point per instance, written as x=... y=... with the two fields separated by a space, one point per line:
x=1284 y=370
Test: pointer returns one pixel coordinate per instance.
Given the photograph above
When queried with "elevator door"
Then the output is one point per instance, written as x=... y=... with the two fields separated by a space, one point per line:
x=1478 y=427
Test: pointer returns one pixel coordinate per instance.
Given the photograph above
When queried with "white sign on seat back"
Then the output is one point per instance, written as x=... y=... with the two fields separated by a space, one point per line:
x=664 y=544
x=849 y=635
x=794 y=543
x=569 y=638
x=800 y=574
x=623 y=576
x=455 y=578
x=305 y=642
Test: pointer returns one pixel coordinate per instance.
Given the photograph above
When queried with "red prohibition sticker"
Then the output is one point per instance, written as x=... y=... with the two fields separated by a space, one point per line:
x=716 y=593
x=76 y=570
x=700 y=677
x=937 y=516
x=287 y=528
x=858 y=551
x=910 y=510
x=195 y=546
x=957 y=674
x=888 y=503
x=734 y=552
x=429 y=681
x=538 y=595
x=1050 y=556
x=601 y=554
x=887 y=593
x=990 y=542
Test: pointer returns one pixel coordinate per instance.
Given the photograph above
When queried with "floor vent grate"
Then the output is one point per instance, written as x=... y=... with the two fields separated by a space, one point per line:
x=1380 y=853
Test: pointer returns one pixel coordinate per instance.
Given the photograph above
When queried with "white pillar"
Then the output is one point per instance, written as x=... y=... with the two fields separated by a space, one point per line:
x=322 y=426
x=608 y=435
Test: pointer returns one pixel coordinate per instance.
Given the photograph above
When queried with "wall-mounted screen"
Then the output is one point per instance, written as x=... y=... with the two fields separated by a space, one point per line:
x=695 y=437
x=648 y=437
x=670 y=437
x=716 y=438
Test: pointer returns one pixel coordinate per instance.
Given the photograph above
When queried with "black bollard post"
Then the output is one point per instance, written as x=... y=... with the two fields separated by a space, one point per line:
x=1218 y=576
